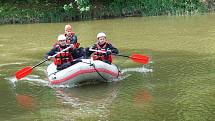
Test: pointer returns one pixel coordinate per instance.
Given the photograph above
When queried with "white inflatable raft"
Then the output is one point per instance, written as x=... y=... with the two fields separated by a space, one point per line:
x=88 y=70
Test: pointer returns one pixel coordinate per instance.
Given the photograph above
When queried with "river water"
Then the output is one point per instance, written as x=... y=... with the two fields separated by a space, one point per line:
x=178 y=84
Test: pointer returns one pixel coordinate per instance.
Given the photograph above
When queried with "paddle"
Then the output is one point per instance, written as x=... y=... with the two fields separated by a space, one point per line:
x=135 y=57
x=27 y=70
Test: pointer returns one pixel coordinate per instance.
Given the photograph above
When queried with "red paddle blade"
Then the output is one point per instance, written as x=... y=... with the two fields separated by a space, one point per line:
x=140 y=58
x=23 y=72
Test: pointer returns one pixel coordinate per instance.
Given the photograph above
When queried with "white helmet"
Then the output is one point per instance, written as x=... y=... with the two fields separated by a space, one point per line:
x=101 y=34
x=61 y=37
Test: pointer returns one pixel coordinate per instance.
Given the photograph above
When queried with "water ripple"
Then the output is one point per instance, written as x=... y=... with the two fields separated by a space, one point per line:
x=98 y=107
x=16 y=63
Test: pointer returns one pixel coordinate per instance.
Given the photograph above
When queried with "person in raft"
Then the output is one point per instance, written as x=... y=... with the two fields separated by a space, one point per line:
x=64 y=59
x=71 y=38
x=102 y=50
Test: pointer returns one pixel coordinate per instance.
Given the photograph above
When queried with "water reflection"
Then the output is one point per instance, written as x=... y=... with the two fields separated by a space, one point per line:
x=89 y=99
x=25 y=101
x=142 y=96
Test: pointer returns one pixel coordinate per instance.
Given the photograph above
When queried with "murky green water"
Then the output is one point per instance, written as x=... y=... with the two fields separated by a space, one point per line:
x=177 y=85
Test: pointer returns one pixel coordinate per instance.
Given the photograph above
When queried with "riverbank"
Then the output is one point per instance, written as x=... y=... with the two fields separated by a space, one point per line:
x=62 y=11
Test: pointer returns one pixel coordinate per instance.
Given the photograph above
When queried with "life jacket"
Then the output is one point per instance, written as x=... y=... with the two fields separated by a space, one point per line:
x=76 y=45
x=72 y=40
x=63 y=57
x=100 y=55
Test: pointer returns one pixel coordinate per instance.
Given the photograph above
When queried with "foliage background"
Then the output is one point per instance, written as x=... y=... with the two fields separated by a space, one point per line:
x=34 y=11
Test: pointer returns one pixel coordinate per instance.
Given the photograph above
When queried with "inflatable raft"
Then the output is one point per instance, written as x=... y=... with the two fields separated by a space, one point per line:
x=86 y=71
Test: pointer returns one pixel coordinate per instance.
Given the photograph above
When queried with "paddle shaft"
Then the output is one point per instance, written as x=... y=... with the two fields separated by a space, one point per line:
x=105 y=52
x=135 y=57
x=100 y=51
x=27 y=70
x=40 y=63
x=52 y=56
x=122 y=55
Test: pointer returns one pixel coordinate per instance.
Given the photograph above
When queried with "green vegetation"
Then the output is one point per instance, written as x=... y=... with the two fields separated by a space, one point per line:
x=34 y=11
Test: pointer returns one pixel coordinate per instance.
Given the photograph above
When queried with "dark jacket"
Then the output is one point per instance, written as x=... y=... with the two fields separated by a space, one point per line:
x=55 y=50
x=73 y=39
x=108 y=47
x=94 y=46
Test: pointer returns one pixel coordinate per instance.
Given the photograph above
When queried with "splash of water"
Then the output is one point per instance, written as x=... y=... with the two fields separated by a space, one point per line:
x=125 y=72
x=140 y=70
x=12 y=81
x=33 y=79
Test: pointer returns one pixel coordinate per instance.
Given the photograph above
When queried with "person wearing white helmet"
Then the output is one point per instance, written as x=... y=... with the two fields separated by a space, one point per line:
x=101 y=34
x=103 y=45
x=71 y=38
x=65 y=59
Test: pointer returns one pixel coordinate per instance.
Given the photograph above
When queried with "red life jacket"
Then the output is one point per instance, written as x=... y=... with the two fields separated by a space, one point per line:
x=75 y=45
x=101 y=56
x=63 y=57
